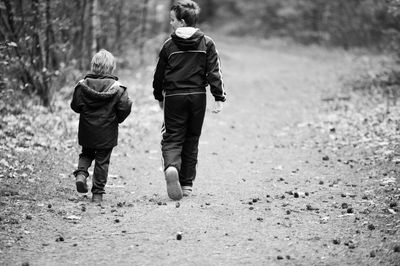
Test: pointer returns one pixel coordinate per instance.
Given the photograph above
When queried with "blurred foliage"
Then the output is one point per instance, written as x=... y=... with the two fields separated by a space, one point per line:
x=346 y=23
x=45 y=44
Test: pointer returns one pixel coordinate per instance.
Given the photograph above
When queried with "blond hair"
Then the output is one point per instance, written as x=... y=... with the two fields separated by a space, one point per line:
x=103 y=62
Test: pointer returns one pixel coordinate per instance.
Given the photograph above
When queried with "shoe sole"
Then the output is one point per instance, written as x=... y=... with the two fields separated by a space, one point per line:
x=173 y=187
x=186 y=193
x=80 y=187
x=97 y=199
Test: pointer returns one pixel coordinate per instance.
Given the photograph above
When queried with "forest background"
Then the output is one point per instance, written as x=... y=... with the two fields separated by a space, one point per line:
x=319 y=116
x=46 y=45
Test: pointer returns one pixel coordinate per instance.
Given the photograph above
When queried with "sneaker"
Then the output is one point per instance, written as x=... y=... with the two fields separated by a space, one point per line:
x=186 y=191
x=173 y=187
x=80 y=182
x=97 y=198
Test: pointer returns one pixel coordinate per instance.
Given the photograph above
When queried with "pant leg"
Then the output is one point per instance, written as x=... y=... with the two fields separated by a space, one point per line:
x=100 y=173
x=85 y=161
x=174 y=130
x=190 y=147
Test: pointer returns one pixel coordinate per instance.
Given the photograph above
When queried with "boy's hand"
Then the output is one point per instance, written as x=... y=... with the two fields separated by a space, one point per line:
x=161 y=104
x=218 y=106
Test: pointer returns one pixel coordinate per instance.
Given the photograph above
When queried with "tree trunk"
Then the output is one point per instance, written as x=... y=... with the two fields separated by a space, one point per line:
x=118 y=26
x=86 y=34
x=96 y=27
x=143 y=31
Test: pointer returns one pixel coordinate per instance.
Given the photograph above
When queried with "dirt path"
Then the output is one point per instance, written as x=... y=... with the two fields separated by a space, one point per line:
x=263 y=150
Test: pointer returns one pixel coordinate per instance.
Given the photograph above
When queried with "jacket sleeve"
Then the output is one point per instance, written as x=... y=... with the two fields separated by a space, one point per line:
x=159 y=76
x=214 y=74
x=76 y=103
x=124 y=105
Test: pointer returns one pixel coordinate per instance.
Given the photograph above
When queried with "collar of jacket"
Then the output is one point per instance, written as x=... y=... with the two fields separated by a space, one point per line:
x=102 y=76
x=109 y=92
x=185 y=32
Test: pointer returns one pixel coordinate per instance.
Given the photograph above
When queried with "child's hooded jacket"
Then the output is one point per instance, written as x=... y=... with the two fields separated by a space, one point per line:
x=102 y=103
x=188 y=62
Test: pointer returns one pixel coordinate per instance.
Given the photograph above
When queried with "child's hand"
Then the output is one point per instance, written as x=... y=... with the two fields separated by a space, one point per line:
x=218 y=106
x=161 y=104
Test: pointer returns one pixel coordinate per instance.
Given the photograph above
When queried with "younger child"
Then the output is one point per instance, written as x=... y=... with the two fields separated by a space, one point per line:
x=102 y=103
x=188 y=62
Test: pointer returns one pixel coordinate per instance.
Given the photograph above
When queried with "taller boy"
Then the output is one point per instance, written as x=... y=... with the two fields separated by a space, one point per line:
x=188 y=62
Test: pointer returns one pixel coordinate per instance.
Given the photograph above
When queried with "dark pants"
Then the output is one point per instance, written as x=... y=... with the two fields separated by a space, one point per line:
x=183 y=121
x=100 y=173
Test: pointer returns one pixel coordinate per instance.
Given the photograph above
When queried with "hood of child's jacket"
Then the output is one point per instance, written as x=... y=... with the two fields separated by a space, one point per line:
x=188 y=43
x=98 y=89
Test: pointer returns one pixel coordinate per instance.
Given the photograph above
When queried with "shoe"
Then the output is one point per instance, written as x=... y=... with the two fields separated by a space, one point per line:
x=80 y=182
x=97 y=198
x=173 y=187
x=186 y=191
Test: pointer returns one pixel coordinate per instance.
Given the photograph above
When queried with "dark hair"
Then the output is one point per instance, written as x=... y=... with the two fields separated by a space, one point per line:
x=187 y=10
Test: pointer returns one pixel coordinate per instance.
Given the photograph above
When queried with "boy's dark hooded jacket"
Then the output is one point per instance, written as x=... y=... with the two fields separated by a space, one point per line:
x=188 y=64
x=102 y=103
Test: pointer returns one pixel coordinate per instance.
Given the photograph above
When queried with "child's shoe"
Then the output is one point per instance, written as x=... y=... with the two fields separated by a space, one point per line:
x=80 y=182
x=97 y=198
x=186 y=191
x=173 y=187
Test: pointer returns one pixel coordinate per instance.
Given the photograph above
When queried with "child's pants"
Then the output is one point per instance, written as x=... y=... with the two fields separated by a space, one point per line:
x=100 y=173
x=183 y=121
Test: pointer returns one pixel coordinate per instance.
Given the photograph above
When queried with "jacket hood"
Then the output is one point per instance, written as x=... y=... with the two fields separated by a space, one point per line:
x=98 y=89
x=187 y=38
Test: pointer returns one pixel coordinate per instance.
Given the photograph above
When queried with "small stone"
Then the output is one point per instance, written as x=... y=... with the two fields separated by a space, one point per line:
x=345 y=205
x=177 y=205
x=179 y=236
x=287 y=212
x=350 y=210
x=396 y=248
x=321 y=182
x=352 y=246
x=260 y=219
x=371 y=227
x=393 y=204
x=49 y=206
x=372 y=254
x=288 y=257
x=116 y=220
x=279 y=257
x=325 y=158
x=311 y=208
x=336 y=241
x=28 y=217
x=60 y=239
x=120 y=204
x=251 y=208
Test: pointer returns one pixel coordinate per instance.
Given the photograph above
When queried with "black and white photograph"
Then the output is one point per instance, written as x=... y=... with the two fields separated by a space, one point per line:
x=199 y=132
